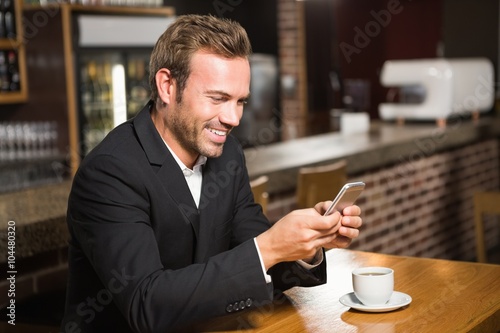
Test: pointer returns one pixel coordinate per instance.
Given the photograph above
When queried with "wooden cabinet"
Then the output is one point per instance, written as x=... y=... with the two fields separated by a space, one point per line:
x=52 y=67
x=13 y=84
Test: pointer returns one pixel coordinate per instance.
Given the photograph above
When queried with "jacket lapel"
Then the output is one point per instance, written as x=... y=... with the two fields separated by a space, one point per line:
x=208 y=210
x=168 y=171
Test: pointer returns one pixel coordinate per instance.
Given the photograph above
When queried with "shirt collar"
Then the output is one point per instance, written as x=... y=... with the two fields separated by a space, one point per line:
x=200 y=161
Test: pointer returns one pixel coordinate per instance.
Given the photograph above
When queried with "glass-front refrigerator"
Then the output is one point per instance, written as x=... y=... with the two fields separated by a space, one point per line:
x=112 y=59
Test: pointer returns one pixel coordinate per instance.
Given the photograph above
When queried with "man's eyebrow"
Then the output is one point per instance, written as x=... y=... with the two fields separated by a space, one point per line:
x=217 y=92
x=247 y=97
x=225 y=94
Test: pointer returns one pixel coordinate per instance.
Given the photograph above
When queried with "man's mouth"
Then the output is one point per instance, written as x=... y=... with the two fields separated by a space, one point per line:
x=218 y=132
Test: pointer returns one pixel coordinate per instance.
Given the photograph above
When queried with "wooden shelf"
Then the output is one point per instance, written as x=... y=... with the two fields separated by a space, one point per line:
x=13 y=97
x=9 y=44
x=110 y=10
x=17 y=45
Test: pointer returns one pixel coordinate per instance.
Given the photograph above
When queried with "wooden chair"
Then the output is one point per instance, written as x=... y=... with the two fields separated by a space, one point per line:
x=484 y=203
x=259 y=190
x=320 y=183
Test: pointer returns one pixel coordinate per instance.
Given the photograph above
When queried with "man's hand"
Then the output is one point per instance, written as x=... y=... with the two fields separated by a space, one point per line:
x=350 y=224
x=302 y=233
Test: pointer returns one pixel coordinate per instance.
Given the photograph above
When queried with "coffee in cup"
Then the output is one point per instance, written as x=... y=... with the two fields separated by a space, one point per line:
x=373 y=286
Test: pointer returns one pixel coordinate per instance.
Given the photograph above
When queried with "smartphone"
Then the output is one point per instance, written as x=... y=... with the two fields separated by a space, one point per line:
x=346 y=197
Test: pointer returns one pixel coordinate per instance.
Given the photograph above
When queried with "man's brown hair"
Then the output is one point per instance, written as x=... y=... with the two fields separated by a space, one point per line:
x=188 y=34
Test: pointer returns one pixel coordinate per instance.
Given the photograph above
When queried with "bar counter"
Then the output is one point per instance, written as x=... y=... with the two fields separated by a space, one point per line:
x=39 y=214
x=41 y=210
x=384 y=144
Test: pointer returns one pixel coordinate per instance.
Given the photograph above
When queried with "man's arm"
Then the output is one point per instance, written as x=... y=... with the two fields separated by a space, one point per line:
x=109 y=219
x=285 y=274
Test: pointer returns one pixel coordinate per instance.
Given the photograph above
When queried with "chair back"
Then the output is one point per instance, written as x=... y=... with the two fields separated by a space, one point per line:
x=320 y=183
x=259 y=190
x=484 y=203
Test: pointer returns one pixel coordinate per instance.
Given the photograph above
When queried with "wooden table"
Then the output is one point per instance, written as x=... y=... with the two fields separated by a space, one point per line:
x=448 y=296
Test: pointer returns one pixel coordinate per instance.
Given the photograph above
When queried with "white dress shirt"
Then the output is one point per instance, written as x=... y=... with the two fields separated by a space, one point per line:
x=194 y=180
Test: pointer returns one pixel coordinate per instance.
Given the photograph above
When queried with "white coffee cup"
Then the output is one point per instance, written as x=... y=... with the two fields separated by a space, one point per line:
x=373 y=286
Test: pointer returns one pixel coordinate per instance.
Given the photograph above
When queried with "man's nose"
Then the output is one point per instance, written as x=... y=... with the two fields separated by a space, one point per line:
x=231 y=115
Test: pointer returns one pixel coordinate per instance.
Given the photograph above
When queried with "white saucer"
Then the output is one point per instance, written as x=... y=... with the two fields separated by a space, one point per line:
x=396 y=301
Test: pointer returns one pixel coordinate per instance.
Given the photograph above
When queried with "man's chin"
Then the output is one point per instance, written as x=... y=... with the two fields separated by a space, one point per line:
x=214 y=151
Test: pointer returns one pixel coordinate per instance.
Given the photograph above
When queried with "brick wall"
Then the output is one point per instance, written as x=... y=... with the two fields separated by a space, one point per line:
x=292 y=69
x=43 y=273
x=424 y=207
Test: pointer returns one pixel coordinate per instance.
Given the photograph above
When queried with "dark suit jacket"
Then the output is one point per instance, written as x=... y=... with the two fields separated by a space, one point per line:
x=144 y=258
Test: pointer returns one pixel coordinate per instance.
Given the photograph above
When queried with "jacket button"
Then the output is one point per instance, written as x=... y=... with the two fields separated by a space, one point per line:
x=242 y=305
x=236 y=306
x=248 y=302
x=229 y=308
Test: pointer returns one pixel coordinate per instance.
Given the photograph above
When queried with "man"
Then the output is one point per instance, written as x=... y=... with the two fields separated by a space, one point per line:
x=164 y=228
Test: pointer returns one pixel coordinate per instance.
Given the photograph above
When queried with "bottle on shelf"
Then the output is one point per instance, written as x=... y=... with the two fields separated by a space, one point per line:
x=106 y=96
x=97 y=100
x=130 y=82
x=139 y=91
x=4 y=73
x=90 y=104
x=8 y=22
x=13 y=71
x=2 y=24
x=86 y=91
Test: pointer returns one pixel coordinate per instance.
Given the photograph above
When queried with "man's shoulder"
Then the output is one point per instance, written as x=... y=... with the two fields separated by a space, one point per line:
x=121 y=143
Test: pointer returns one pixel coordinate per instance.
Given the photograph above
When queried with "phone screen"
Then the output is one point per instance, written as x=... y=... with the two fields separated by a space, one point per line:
x=346 y=197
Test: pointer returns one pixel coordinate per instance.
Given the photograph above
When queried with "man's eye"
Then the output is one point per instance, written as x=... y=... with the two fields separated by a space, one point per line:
x=218 y=99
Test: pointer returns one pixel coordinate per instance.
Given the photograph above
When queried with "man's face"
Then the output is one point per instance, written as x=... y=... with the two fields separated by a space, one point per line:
x=212 y=104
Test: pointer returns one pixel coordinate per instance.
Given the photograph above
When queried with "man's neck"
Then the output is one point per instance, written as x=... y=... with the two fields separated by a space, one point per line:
x=189 y=159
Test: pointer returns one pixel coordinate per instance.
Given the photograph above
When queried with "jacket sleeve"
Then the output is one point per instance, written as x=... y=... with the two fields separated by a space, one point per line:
x=249 y=215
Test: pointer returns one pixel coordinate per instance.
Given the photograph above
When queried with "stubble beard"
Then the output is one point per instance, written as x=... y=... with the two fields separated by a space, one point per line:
x=190 y=134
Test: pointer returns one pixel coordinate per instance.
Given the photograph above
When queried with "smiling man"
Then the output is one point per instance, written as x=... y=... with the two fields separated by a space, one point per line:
x=164 y=228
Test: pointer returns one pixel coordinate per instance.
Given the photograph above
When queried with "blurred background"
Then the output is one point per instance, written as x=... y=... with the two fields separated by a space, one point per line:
x=69 y=73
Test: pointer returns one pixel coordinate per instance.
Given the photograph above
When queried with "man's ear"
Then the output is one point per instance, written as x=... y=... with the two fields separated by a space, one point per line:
x=165 y=85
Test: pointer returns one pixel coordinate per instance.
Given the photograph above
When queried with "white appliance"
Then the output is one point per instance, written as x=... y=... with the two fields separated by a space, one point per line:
x=448 y=86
